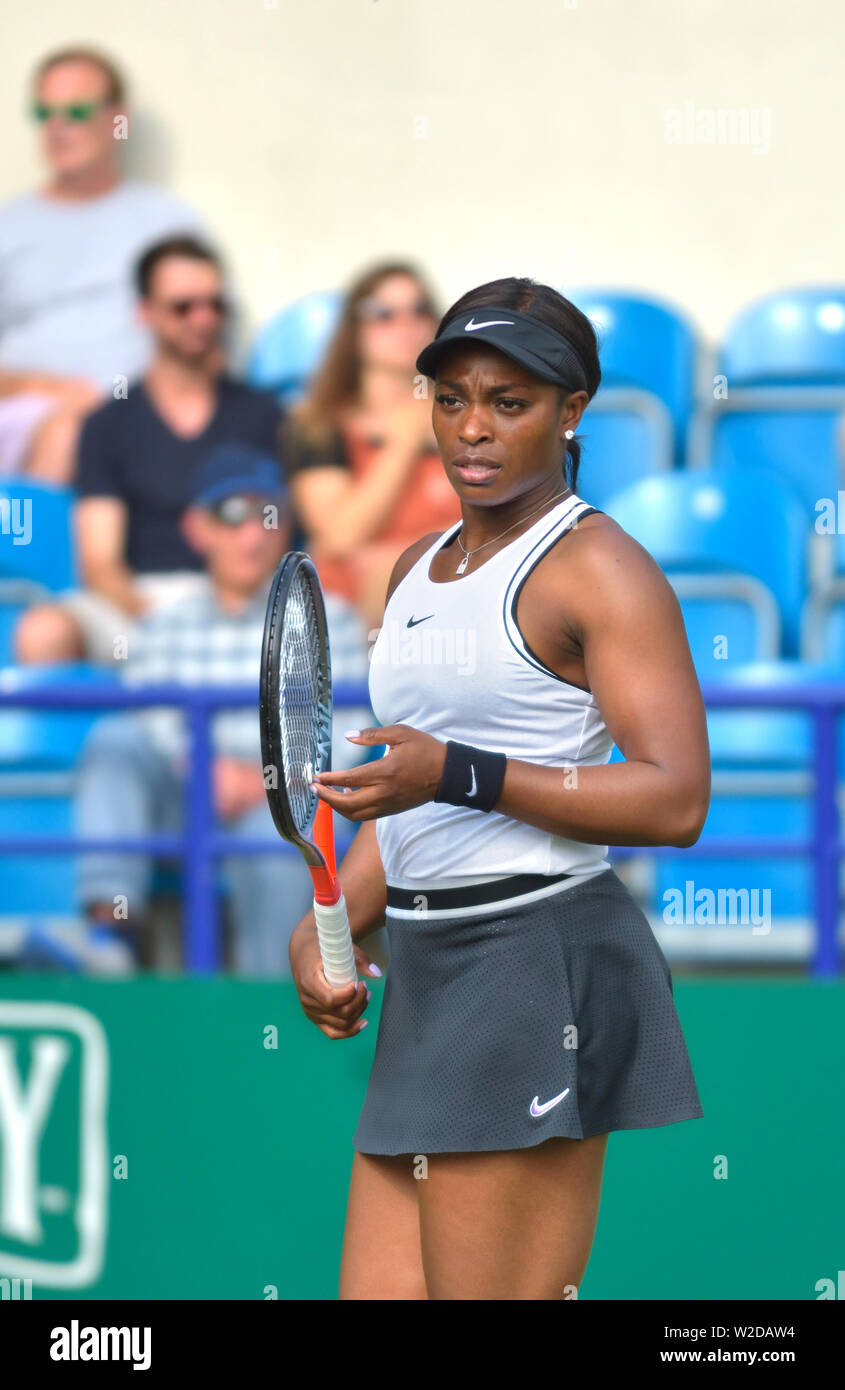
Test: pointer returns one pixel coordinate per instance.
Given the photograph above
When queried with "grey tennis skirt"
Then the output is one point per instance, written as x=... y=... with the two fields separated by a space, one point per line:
x=507 y=1027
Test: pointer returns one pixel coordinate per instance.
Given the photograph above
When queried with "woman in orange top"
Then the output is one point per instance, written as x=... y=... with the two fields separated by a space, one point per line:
x=359 y=452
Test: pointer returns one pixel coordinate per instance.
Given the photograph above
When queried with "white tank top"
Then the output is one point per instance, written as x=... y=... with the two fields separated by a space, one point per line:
x=450 y=660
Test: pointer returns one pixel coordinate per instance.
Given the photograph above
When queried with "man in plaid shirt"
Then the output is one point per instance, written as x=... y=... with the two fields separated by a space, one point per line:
x=132 y=774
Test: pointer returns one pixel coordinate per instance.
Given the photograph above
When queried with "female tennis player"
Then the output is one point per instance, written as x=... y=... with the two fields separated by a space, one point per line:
x=528 y=1008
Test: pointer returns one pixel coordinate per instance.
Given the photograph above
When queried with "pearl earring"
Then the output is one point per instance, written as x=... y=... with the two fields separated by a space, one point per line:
x=569 y=433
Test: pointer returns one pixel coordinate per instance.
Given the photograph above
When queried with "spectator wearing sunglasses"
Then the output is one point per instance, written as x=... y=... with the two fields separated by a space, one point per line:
x=137 y=457
x=67 y=323
x=132 y=771
x=359 y=451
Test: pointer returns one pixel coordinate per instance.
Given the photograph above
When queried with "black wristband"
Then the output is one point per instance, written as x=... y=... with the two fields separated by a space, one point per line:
x=471 y=776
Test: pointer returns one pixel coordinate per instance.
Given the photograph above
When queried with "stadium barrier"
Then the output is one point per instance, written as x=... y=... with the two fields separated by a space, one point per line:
x=201 y=845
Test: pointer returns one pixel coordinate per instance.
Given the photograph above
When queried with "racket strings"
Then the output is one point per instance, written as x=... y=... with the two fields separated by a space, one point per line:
x=304 y=701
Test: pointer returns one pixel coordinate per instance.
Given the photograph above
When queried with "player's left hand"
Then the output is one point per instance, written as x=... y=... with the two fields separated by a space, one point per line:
x=407 y=775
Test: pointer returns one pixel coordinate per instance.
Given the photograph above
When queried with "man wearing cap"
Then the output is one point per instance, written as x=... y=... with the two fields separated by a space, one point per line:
x=132 y=772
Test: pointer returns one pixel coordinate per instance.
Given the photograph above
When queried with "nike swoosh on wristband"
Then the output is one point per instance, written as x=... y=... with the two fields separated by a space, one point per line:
x=488 y=323
x=536 y=1110
x=474 y=785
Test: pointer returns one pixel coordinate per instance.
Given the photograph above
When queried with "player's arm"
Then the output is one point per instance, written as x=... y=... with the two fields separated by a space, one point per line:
x=624 y=615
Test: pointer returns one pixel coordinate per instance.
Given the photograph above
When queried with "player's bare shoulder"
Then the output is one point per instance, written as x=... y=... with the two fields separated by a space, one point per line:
x=599 y=563
x=596 y=538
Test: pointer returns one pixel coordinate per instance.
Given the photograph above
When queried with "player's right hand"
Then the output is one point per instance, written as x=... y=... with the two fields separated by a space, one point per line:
x=336 y=1012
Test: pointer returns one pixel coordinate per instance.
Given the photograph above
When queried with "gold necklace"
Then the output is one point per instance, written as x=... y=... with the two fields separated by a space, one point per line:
x=468 y=554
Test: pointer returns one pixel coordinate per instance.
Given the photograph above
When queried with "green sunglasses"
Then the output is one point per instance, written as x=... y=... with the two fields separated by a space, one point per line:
x=77 y=111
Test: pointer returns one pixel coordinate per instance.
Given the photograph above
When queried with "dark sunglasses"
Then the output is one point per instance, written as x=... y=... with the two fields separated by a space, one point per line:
x=183 y=307
x=76 y=111
x=234 y=511
x=373 y=312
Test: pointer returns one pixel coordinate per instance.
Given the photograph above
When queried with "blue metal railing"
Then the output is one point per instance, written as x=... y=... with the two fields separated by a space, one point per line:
x=201 y=845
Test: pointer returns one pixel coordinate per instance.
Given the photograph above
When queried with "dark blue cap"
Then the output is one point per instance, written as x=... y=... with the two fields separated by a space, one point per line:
x=232 y=468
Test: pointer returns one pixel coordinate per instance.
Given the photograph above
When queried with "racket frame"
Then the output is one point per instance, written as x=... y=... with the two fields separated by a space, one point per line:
x=330 y=912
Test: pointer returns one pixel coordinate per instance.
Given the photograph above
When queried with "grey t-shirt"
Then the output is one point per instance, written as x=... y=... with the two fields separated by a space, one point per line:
x=66 y=293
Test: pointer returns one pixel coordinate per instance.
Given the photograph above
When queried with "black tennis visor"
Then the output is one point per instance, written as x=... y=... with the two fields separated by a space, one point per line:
x=524 y=339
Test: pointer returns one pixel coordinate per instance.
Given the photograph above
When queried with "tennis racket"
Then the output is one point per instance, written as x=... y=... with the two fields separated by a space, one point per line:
x=295 y=709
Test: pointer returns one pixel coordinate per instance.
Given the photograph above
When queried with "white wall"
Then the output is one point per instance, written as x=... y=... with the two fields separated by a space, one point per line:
x=481 y=137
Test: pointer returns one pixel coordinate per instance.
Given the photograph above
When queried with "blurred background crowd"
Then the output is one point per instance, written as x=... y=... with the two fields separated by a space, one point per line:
x=154 y=468
x=181 y=485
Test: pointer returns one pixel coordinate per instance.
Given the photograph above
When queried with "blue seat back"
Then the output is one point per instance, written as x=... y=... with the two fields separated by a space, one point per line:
x=802 y=446
x=291 y=346
x=794 y=337
x=618 y=448
x=645 y=343
x=39 y=740
x=35 y=745
x=733 y=621
x=37 y=883
x=759 y=739
x=789 y=880
x=747 y=522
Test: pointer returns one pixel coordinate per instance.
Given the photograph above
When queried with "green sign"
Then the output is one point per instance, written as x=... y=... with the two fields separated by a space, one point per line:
x=191 y=1138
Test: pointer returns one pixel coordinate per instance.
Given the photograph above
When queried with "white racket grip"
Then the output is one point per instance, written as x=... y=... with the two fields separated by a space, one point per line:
x=335 y=941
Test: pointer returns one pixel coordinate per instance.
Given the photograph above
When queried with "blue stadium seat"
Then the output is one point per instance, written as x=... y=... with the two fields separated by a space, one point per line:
x=791 y=338
x=762 y=785
x=727 y=618
x=38 y=749
x=38 y=740
x=783 y=362
x=760 y=740
x=770 y=740
x=625 y=436
x=647 y=345
x=36 y=544
x=748 y=528
x=799 y=443
x=290 y=347
x=37 y=884
x=788 y=881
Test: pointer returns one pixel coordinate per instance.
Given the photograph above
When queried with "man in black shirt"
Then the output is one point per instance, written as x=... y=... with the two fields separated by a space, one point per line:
x=137 y=458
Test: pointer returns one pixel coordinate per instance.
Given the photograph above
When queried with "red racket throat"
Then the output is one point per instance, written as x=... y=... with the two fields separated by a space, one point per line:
x=325 y=880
